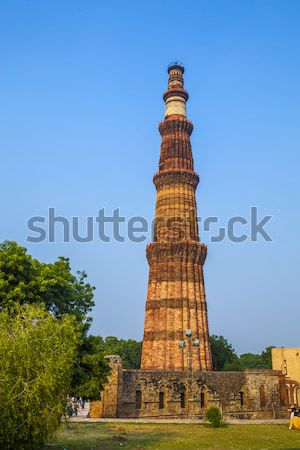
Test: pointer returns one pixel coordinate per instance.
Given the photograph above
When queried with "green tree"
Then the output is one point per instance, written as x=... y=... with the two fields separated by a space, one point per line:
x=129 y=350
x=225 y=358
x=223 y=353
x=37 y=352
x=235 y=365
x=266 y=357
x=250 y=361
x=24 y=279
x=90 y=369
x=257 y=361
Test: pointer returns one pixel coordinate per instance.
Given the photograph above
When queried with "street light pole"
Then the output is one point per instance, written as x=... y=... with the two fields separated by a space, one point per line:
x=190 y=344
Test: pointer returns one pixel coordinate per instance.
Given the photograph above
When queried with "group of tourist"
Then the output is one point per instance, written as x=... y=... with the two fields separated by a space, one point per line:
x=74 y=406
x=295 y=418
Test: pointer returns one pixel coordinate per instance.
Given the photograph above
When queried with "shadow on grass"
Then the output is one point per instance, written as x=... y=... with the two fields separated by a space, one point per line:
x=106 y=436
x=54 y=447
x=209 y=425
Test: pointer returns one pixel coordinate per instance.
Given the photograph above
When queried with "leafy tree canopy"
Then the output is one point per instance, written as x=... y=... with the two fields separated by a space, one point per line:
x=266 y=357
x=254 y=361
x=251 y=361
x=90 y=369
x=225 y=357
x=37 y=353
x=129 y=350
x=24 y=279
x=222 y=352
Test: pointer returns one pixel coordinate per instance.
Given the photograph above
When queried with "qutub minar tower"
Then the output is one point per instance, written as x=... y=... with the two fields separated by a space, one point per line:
x=176 y=303
x=176 y=378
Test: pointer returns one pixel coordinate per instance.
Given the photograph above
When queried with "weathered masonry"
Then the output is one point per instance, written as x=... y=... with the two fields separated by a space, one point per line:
x=176 y=377
x=255 y=394
x=176 y=299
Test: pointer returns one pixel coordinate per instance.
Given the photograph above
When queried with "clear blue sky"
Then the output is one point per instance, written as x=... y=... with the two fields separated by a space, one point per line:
x=80 y=87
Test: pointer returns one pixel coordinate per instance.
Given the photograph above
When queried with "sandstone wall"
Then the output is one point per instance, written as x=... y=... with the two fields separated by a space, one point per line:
x=256 y=394
x=252 y=394
x=288 y=361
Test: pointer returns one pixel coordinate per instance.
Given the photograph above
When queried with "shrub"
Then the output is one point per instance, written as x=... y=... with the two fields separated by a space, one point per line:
x=214 y=416
x=37 y=353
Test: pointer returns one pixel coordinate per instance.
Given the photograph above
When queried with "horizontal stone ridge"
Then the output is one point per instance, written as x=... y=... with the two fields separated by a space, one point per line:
x=175 y=123
x=177 y=91
x=191 y=251
x=174 y=303
x=163 y=335
x=165 y=177
x=166 y=335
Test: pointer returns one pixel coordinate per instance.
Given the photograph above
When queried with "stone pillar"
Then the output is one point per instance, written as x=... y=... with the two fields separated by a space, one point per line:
x=112 y=392
x=176 y=294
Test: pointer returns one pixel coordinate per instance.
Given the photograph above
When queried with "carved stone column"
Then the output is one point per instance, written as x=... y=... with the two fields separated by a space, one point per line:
x=176 y=294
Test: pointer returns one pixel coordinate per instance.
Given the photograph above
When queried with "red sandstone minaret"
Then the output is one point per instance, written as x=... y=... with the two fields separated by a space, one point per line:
x=176 y=333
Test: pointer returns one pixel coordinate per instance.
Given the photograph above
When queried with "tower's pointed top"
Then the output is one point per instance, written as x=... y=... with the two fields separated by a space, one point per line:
x=176 y=96
x=176 y=65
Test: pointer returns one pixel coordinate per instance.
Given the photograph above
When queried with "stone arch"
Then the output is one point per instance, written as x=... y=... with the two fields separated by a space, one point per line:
x=298 y=395
x=203 y=397
x=161 y=399
x=262 y=396
x=138 y=397
x=241 y=398
x=182 y=397
x=283 y=394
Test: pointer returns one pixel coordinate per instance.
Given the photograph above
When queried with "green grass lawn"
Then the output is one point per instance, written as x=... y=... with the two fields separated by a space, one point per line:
x=110 y=436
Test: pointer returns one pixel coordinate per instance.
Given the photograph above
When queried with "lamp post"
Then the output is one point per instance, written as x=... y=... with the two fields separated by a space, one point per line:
x=189 y=344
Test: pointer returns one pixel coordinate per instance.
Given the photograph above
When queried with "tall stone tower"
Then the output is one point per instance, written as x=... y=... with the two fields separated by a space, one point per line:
x=176 y=333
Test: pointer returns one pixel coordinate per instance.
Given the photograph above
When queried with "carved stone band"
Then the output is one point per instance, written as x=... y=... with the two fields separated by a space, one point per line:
x=175 y=124
x=163 y=335
x=169 y=335
x=176 y=90
x=175 y=303
x=190 y=251
x=163 y=178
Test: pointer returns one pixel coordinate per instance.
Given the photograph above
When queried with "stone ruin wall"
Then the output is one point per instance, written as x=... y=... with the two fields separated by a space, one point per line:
x=255 y=394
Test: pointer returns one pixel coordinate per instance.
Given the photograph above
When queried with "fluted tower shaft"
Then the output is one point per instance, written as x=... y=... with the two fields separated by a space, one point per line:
x=176 y=299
